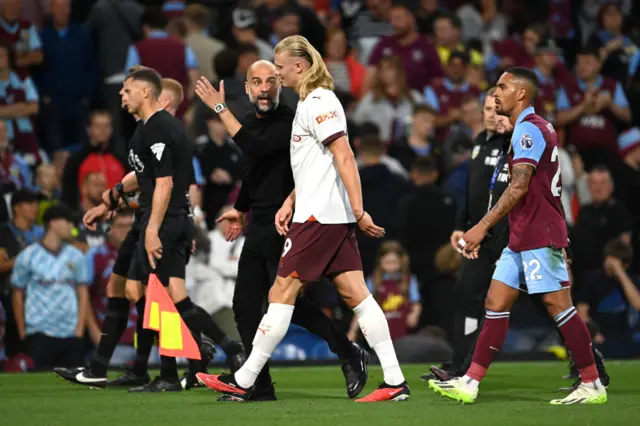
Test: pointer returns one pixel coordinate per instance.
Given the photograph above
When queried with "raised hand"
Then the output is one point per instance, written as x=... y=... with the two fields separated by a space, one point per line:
x=208 y=94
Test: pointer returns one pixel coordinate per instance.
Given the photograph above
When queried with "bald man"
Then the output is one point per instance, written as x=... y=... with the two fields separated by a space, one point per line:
x=265 y=139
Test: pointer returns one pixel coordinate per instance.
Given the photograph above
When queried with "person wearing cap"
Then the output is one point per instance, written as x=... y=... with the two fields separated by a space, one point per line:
x=15 y=235
x=547 y=56
x=50 y=294
x=244 y=31
x=446 y=96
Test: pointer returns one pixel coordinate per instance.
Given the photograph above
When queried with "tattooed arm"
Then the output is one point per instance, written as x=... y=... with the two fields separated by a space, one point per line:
x=517 y=189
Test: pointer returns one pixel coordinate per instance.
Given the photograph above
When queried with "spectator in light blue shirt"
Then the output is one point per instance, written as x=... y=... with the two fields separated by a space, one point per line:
x=50 y=295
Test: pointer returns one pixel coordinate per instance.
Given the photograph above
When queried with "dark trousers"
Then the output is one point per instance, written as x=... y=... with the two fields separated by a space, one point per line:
x=63 y=126
x=257 y=269
x=50 y=352
x=470 y=293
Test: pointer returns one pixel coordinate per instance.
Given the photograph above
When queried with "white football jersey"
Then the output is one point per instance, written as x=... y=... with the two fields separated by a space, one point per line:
x=320 y=193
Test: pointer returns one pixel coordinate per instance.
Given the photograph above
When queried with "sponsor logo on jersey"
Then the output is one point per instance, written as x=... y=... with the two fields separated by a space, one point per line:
x=134 y=162
x=526 y=142
x=326 y=116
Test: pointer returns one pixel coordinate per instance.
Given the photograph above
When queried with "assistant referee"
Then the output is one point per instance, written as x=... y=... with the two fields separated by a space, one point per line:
x=265 y=140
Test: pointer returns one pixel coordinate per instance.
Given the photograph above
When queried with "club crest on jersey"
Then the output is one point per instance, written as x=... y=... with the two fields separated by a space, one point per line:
x=475 y=152
x=526 y=142
x=326 y=116
x=296 y=138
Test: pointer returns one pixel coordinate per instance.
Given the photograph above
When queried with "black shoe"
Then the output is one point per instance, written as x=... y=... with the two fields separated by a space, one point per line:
x=602 y=371
x=207 y=352
x=439 y=374
x=189 y=381
x=226 y=384
x=81 y=376
x=356 y=371
x=236 y=357
x=130 y=379
x=159 y=385
x=259 y=394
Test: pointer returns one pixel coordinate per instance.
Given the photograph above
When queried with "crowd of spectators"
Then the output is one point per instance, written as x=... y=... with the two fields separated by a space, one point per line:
x=411 y=76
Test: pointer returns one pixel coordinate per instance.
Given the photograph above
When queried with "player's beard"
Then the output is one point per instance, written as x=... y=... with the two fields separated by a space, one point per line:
x=275 y=101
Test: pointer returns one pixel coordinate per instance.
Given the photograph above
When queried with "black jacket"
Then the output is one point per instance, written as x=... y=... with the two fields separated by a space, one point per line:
x=426 y=218
x=486 y=154
x=269 y=179
x=381 y=194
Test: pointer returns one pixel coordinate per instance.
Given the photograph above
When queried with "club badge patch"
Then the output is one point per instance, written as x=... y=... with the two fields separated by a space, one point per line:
x=526 y=142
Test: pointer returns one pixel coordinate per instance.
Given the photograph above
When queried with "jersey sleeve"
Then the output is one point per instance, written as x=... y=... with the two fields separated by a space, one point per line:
x=325 y=118
x=527 y=143
x=21 y=271
x=158 y=141
x=81 y=270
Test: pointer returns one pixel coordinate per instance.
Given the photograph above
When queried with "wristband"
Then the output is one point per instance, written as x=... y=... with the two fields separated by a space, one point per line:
x=363 y=213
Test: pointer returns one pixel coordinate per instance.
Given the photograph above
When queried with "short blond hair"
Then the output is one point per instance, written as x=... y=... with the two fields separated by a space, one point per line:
x=175 y=88
x=317 y=75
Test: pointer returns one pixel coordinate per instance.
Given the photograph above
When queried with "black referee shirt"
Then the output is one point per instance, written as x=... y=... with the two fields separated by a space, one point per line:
x=269 y=180
x=487 y=152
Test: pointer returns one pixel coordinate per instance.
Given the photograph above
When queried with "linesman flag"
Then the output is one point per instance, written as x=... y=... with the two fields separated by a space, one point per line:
x=161 y=315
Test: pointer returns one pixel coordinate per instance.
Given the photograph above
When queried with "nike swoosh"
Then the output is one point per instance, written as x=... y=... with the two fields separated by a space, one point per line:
x=82 y=379
x=394 y=392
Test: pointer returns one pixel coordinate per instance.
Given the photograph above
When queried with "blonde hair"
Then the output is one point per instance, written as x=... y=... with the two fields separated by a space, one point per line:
x=317 y=75
x=175 y=88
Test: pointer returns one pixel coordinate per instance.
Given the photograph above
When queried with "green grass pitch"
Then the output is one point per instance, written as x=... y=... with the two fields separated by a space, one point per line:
x=513 y=394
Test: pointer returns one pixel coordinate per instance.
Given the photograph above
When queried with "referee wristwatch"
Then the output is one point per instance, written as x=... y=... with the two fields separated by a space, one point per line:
x=218 y=108
x=114 y=201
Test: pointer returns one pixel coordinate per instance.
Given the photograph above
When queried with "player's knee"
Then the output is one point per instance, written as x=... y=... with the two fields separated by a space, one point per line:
x=496 y=304
x=116 y=286
x=285 y=290
x=557 y=302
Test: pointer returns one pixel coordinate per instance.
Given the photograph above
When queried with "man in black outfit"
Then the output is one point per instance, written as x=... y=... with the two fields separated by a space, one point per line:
x=160 y=156
x=488 y=169
x=264 y=139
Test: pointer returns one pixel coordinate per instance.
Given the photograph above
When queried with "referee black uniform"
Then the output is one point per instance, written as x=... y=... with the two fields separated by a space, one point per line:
x=269 y=180
x=475 y=275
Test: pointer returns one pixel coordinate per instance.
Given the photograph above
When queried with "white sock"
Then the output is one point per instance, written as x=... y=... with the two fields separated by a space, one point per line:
x=375 y=329
x=471 y=383
x=271 y=331
x=597 y=384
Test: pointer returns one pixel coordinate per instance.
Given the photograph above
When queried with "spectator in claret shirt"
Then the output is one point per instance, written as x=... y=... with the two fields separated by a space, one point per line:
x=20 y=34
x=170 y=57
x=67 y=79
x=15 y=172
x=419 y=58
x=18 y=104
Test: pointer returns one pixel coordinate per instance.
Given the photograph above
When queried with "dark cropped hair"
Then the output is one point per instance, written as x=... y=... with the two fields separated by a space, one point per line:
x=149 y=76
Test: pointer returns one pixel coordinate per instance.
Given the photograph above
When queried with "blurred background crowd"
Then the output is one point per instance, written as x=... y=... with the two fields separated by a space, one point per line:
x=411 y=76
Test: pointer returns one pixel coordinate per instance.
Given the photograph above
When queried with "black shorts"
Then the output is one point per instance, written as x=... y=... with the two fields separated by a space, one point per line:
x=125 y=254
x=176 y=234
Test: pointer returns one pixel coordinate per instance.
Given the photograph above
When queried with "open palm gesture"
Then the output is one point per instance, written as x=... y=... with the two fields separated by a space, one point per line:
x=208 y=94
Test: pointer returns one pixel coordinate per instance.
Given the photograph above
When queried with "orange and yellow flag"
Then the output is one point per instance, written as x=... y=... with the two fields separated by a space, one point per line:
x=161 y=315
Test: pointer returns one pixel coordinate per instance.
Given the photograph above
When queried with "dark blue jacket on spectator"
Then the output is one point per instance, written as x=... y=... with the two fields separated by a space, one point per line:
x=69 y=71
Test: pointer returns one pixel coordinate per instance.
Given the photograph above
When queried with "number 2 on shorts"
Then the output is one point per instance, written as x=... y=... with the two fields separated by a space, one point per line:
x=534 y=272
x=287 y=247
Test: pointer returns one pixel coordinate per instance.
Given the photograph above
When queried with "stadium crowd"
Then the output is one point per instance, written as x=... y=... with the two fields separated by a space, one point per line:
x=412 y=76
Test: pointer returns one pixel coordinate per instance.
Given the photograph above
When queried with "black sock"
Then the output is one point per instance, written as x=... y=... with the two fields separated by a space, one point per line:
x=144 y=340
x=309 y=316
x=168 y=369
x=112 y=329
x=208 y=326
x=191 y=318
